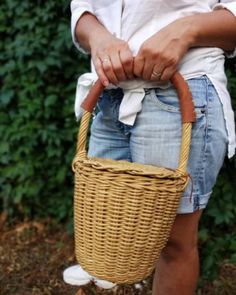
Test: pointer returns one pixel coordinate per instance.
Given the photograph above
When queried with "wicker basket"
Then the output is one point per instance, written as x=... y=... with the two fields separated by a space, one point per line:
x=123 y=211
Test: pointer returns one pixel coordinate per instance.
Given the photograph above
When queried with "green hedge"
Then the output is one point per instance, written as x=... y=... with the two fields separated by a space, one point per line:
x=39 y=68
x=217 y=227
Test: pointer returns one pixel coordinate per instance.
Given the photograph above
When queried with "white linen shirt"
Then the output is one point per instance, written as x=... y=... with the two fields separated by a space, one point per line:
x=134 y=22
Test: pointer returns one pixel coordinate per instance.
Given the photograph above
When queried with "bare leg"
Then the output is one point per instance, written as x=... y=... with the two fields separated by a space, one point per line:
x=177 y=270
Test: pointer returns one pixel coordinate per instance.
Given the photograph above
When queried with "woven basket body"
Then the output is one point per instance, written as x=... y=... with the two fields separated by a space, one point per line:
x=123 y=212
x=123 y=217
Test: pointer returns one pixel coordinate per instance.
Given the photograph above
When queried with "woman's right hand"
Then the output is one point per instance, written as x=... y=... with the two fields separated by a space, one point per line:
x=112 y=58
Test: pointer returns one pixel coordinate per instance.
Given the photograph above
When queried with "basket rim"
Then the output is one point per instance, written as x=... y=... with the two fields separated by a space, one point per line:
x=133 y=168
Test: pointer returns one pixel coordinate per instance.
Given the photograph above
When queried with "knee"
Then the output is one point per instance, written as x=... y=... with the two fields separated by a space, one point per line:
x=177 y=249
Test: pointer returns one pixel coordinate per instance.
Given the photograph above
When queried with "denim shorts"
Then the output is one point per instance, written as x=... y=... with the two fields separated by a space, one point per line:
x=155 y=136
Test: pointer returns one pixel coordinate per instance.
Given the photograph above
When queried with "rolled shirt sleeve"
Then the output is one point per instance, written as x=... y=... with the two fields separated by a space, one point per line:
x=231 y=6
x=78 y=7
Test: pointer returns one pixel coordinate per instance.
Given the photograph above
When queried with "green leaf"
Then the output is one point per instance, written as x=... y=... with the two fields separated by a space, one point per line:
x=6 y=96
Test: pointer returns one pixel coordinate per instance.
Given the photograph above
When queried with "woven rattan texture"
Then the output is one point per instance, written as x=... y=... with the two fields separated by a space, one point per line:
x=123 y=213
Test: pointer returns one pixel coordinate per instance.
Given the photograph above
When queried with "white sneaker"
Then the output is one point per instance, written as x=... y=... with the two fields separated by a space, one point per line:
x=103 y=284
x=75 y=275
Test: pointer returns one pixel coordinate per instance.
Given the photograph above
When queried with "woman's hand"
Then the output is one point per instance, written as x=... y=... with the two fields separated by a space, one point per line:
x=112 y=58
x=160 y=55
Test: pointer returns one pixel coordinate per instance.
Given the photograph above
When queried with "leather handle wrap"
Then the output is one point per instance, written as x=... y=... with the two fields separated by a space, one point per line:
x=185 y=98
x=91 y=99
x=184 y=94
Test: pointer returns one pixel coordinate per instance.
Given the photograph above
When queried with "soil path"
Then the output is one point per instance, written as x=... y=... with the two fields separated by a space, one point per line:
x=33 y=256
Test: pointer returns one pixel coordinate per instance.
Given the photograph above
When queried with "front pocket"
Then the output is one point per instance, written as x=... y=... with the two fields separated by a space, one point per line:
x=167 y=99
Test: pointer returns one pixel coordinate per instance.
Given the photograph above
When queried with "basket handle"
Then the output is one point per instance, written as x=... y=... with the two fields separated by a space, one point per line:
x=186 y=108
x=185 y=97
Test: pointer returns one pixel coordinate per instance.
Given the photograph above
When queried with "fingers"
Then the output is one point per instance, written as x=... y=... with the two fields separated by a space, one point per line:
x=147 y=69
x=127 y=62
x=158 y=57
x=100 y=72
x=114 y=62
x=107 y=66
x=139 y=63
x=168 y=73
x=122 y=67
x=155 y=68
x=165 y=70
x=115 y=67
x=157 y=71
x=118 y=66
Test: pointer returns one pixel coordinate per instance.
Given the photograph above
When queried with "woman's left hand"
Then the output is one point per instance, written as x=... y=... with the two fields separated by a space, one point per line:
x=159 y=56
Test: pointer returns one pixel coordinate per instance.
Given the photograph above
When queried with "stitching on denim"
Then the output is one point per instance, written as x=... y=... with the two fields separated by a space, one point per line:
x=199 y=110
x=201 y=171
x=162 y=105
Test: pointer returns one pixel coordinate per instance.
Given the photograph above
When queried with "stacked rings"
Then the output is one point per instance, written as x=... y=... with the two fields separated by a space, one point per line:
x=156 y=75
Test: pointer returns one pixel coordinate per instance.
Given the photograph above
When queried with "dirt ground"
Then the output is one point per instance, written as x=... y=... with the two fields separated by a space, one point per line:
x=34 y=254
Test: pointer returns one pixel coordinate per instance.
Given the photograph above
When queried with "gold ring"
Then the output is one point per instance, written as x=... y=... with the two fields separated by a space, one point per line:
x=156 y=75
x=106 y=60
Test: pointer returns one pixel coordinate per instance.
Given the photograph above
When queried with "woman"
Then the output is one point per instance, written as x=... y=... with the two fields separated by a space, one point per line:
x=136 y=46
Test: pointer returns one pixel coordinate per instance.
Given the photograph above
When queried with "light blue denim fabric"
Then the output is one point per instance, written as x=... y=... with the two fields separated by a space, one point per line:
x=156 y=136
